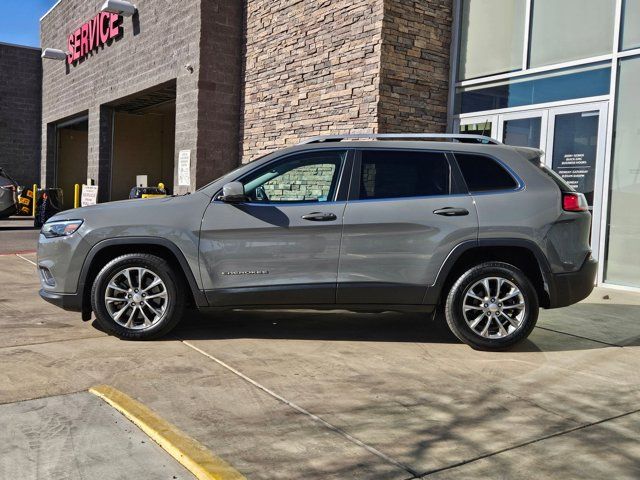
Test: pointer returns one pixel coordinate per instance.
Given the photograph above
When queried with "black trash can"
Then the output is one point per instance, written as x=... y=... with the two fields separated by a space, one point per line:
x=48 y=203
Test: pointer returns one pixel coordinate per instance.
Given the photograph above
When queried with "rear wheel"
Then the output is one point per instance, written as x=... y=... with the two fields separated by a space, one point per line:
x=492 y=306
x=137 y=296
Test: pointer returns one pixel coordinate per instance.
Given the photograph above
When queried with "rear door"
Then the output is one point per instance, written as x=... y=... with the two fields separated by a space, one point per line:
x=281 y=246
x=406 y=212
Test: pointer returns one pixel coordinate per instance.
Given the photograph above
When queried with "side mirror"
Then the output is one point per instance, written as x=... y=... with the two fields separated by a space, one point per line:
x=233 y=192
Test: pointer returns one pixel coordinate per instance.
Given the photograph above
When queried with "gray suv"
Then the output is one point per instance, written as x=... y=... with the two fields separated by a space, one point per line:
x=481 y=231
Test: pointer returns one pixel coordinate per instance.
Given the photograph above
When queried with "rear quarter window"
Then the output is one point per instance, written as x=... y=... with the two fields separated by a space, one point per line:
x=483 y=174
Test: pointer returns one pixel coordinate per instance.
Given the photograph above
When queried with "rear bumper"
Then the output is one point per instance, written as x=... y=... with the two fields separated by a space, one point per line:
x=569 y=288
x=66 y=301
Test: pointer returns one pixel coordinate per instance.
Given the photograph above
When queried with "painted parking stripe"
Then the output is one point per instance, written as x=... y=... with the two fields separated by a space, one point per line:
x=194 y=456
x=306 y=412
x=26 y=259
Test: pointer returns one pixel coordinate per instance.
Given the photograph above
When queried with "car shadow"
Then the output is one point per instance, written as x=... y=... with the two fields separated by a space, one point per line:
x=348 y=326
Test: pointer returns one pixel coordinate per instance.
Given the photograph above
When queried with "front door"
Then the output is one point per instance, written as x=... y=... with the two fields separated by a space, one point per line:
x=282 y=245
x=576 y=151
x=404 y=216
x=573 y=139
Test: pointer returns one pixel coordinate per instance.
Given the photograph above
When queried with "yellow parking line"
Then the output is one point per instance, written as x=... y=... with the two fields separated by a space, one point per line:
x=189 y=452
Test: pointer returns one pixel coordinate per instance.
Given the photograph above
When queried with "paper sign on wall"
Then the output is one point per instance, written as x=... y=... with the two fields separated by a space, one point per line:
x=184 y=168
x=89 y=195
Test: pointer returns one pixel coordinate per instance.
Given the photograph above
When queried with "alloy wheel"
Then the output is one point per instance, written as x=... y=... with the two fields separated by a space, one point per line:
x=494 y=307
x=136 y=298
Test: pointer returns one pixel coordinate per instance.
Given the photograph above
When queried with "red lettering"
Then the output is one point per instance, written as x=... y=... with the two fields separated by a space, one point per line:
x=70 y=49
x=76 y=45
x=114 y=29
x=84 y=36
x=92 y=34
x=104 y=27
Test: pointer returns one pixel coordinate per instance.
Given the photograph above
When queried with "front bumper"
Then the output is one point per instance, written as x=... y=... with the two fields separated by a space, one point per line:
x=66 y=301
x=569 y=288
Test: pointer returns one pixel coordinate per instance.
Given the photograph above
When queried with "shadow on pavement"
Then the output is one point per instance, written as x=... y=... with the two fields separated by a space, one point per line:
x=348 y=326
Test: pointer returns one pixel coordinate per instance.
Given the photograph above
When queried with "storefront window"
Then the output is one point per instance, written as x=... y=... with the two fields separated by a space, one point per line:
x=623 y=256
x=567 y=30
x=491 y=37
x=630 y=24
x=559 y=85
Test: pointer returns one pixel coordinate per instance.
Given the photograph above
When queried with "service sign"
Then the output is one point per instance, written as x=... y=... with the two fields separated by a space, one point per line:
x=89 y=195
x=93 y=34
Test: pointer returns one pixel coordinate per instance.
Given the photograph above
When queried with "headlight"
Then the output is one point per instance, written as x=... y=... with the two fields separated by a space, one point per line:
x=60 y=229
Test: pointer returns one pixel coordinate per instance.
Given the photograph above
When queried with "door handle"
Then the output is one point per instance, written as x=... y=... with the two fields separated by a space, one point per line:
x=319 y=217
x=451 y=212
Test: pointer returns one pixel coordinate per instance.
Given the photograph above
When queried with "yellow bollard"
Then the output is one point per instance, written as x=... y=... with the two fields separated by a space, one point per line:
x=33 y=200
x=76 y=195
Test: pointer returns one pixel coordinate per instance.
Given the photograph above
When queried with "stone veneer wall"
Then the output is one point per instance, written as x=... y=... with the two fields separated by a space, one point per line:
x=311 y=68
x=343 y=67
x=414 y=84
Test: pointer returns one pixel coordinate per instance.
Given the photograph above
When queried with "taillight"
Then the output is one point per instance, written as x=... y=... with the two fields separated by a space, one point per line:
x=574 y=202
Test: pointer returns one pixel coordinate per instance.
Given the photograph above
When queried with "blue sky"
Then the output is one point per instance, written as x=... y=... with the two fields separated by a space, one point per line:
x=20 y=21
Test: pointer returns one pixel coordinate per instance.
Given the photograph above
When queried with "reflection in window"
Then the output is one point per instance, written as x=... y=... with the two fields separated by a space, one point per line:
x=559 y=85
x=491 y=37
x=309 y=177
x=522 y=132
x=567 y=30
x=623 y=257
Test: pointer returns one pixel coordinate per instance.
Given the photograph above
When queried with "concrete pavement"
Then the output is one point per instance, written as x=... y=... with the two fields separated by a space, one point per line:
x=339 y=395
x=17 y=234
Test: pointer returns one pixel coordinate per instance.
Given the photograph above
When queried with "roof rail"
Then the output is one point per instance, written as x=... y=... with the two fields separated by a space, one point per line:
x=404 y=136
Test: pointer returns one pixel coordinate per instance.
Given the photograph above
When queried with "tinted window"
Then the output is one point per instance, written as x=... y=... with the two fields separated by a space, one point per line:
x=311 y=177
x=395 y=174
x=483 y=173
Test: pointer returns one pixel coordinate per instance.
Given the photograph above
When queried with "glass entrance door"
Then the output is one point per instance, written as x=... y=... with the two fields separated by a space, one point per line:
x=573 y=139
x=575 y=150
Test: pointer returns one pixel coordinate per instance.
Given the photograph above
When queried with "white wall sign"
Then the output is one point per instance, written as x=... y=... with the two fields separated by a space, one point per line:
x=184 y=168
x=89 y=195
x=141 y=180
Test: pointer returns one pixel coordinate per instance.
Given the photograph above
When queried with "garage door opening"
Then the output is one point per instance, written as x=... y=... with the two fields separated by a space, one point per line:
x=71 y=157
x=143 y=142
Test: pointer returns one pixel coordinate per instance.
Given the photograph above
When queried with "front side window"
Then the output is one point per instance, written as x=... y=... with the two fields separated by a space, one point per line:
x=399 y=174
x=310 y=177
x=484 y=174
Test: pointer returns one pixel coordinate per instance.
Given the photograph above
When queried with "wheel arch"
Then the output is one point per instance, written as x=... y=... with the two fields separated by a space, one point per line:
x=523 y=254
x=107 y=250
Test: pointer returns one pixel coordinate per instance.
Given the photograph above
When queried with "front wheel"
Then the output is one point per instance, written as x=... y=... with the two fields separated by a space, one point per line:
x=137 y=297
x=492 y=306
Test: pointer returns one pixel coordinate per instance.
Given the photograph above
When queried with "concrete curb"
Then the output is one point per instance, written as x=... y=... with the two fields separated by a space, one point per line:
x=189 y=452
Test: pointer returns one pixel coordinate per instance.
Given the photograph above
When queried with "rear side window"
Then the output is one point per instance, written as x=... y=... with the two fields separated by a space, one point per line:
x=401 y=174
x=484 y=174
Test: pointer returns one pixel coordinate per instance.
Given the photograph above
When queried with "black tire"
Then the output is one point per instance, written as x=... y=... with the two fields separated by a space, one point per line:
x=174 y=289
x=455 y=302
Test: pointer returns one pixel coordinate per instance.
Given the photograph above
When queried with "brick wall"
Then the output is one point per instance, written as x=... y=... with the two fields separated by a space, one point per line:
x=414 y=85
x=155 y=47
x=311 y=67
x=193 y=43
x=20 y=95
x=220 y=87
